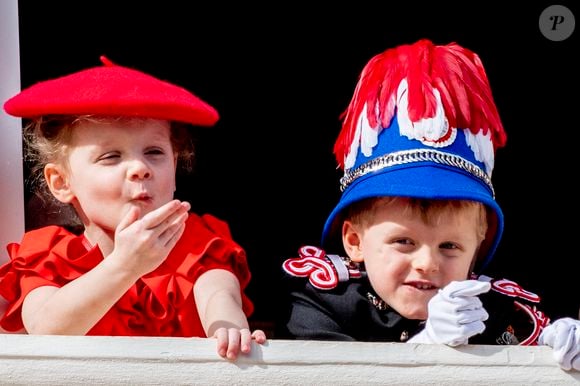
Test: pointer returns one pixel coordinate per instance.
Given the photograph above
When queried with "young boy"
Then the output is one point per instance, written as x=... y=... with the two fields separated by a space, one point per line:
x=418 y=217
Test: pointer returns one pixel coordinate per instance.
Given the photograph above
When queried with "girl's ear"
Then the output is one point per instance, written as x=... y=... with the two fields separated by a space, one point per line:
x=57 y=182
x=351 y=241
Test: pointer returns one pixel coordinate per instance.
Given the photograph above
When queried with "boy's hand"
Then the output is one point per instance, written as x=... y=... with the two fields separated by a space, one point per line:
x=455 y=314
x=564 y=337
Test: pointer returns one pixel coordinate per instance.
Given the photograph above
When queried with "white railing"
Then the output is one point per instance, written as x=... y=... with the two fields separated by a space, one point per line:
x=85 y=360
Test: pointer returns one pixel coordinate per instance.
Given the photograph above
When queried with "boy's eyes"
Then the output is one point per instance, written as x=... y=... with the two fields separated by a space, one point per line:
x=445 y=245
x=448 y=245
x=404 y=241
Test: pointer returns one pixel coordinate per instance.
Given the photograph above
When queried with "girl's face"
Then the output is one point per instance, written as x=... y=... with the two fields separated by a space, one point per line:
x=408 y=260
x=114 y=166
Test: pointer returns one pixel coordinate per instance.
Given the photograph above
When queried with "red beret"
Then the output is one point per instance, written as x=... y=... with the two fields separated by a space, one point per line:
x=111 y=90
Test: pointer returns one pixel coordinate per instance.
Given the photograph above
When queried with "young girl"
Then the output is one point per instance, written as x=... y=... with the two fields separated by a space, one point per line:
x=108 y=141
x=417 y=220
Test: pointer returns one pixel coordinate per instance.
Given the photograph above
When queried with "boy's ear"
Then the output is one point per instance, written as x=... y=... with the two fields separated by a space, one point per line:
x=351 y=241
x=57 y=182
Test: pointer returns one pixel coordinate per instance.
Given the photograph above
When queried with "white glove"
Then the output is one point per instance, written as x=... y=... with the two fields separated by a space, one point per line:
x=564 y=337
x=455 y=314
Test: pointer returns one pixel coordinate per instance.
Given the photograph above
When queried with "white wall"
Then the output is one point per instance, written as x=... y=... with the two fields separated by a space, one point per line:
x=91 y=360
x=11 y=182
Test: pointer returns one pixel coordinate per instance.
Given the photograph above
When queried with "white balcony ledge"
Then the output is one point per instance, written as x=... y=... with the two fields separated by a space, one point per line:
x=83 y=360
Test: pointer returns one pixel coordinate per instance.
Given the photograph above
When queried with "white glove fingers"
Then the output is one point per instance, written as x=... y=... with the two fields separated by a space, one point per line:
x=563 y=335
x=575 y=363
x=455 y=313
x=473 y=316
x=567 y=346
x=473 y=328
x=465 y=288
x=471 y=303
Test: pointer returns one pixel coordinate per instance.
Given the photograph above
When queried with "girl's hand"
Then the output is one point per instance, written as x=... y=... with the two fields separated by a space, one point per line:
x=233 y=341
x=142 y=244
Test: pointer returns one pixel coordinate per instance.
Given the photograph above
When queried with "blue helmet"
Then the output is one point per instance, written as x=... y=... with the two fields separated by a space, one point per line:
x=422 y=123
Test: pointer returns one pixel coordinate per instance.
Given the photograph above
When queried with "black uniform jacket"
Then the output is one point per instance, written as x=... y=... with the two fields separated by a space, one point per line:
x=330 y=298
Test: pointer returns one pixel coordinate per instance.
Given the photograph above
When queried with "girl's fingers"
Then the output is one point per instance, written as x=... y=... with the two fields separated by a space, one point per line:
x=245 y=340
x=129 y=218
x=234 y=343
x=259 y=336
x=221 y=335
x=165 y=214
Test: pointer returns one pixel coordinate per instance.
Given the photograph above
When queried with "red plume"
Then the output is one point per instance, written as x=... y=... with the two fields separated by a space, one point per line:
x=457 y=73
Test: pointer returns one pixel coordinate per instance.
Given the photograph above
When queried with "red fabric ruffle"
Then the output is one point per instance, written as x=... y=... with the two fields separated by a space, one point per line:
x=159 y=304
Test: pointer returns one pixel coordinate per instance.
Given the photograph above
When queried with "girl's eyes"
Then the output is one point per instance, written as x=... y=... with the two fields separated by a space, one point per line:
x=108 y=156
x=115 y=155
x=155 y=151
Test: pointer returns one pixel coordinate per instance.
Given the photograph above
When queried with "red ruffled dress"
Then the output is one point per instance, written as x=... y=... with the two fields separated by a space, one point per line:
x=159 y=304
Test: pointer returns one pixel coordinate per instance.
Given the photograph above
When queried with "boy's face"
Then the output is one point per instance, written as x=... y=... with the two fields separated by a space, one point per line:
x=408 y=260
x=116 y=166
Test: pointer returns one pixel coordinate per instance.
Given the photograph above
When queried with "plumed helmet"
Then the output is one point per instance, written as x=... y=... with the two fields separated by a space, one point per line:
x=421 y=123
